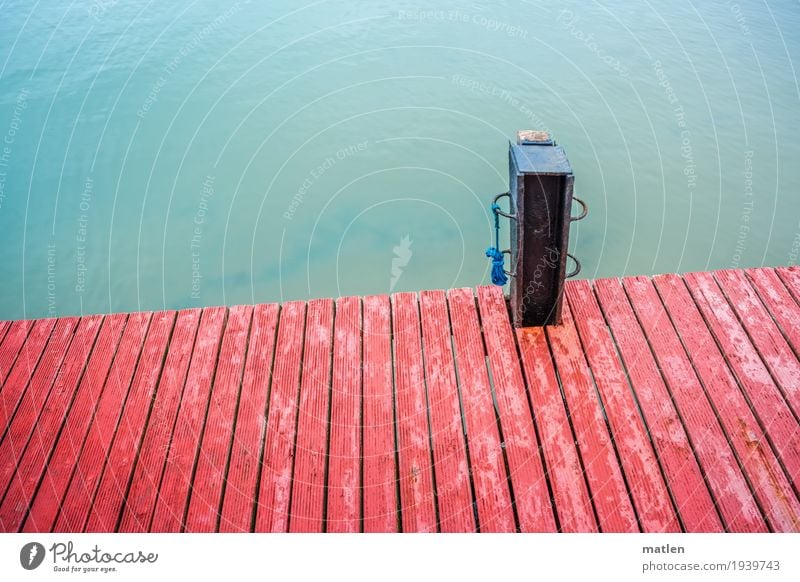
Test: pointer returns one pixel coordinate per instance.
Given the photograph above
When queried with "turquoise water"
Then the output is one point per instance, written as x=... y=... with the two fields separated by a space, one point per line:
x=195 y=153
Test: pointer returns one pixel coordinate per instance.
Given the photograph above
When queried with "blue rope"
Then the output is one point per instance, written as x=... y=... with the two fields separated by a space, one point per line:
x=498 y=268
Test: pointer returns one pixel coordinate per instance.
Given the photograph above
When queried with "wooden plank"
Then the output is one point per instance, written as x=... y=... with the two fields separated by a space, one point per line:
x=453 y=491
x=308 y=489
x=248 y=441
x=648 y=490
x=489 y=477
x=709 y=440
x=745 y=435
x=379 y=470
x=12 y=344
x=34 y=460
x=791 y=278
x=176 y=481
x=570 y=493
x=4 y=325
x=615 y=511
x=197 y=331
x=417 y=503
x=684 y=476
x=344 y=459
x=765 y=336
x=58 y=470
x=759 y=389
x=89 y=467
x=104 y=509
x=24 y=423
x=783 y=308
x=272 y=511
x=529 y=485
x=17 y=383
x=714 y=442
x=209 y=480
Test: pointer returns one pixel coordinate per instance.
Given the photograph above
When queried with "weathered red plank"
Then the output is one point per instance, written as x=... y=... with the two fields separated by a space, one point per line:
x=756 y=456
x=103 y=514
x=272 y=513
x=570 y=493
x=172 y=495
x=58 y=470
x=379 y=470
x=34 y=460
x=639 y=463
x=759 y=389
x=12 y=343
x=606 y=484
x=209 y=479
x=23 y=424
x=765 y=336
x=728 y=485
x=21 y=402
x=118 y=440
x=201 y=330
x=89 y=466
x=489 y=477
x=418 y=506
x=248 y=440
x=447 y=432
x=4 y=325
x=344 y=459
x=308 y=488
x=791 y=278
x=783 y=308
x=685 y=479
x=529 y=485
x=13 y=390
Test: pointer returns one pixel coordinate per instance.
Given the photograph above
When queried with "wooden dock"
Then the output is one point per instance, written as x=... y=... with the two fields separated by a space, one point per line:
x=663 y=404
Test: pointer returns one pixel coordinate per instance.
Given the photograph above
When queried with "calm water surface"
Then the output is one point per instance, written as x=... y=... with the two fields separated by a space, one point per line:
x=173 y=154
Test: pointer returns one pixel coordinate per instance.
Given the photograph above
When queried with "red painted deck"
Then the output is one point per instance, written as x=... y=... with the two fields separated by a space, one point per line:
x=663 y=404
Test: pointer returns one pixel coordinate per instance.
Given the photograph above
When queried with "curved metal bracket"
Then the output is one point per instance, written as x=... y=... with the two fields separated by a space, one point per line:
x=509 y=273
x=584 y=210
x=577 y=267
x=496 y=207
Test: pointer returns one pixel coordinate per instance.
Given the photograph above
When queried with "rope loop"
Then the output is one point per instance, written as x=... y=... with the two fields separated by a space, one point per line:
x=494 y=253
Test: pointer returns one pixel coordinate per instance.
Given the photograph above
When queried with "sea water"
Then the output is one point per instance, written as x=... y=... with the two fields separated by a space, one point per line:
x=178 y=154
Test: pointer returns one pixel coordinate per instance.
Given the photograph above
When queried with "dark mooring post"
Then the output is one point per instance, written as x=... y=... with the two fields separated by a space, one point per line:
x=540 y=186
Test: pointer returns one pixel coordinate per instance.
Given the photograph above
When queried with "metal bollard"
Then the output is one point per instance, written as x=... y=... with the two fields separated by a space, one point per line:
x=541 y=186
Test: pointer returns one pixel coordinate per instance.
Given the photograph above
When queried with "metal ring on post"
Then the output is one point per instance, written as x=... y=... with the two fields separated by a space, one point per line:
x=500 y=212
x=509 y=273
x=577 y=267
x=583 y=213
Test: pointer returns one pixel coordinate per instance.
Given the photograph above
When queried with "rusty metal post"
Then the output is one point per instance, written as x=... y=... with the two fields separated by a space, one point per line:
x=540 y=186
